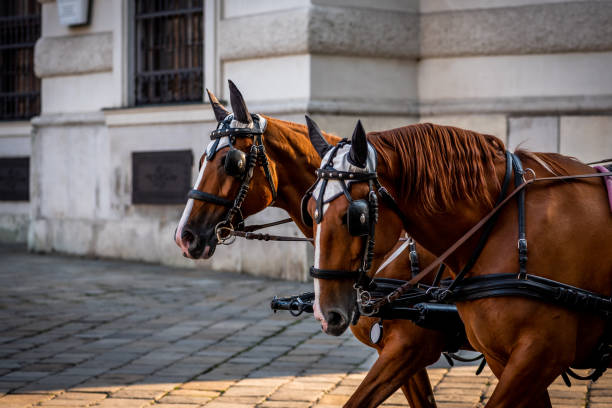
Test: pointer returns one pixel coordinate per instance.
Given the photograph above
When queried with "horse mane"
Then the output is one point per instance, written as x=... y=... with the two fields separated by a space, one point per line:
x=441 y=164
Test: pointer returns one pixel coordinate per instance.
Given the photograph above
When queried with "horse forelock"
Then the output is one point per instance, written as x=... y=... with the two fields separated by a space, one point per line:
x=438 y=165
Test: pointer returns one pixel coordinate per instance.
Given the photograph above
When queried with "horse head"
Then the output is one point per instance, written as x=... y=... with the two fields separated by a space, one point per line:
x=344 y=208
x=230 y=166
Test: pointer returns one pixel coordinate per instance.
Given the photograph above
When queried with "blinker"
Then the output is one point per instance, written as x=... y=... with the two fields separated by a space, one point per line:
x=235 y=163
x=358 y=218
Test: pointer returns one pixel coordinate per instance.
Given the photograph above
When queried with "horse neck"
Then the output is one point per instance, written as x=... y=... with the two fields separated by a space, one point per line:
x=439 y=230
x=295 y=161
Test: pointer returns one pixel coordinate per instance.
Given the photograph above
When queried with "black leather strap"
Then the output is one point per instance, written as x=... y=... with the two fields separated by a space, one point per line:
x=520 y=198
x=488 y=227
x=332 y=274
x=331 y=174
x=209 y=198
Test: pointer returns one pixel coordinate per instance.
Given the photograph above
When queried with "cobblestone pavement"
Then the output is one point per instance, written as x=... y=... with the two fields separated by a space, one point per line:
x=77 y=332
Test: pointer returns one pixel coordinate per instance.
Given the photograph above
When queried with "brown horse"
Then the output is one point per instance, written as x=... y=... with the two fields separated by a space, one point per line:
x=445 y=180
x=405 y=349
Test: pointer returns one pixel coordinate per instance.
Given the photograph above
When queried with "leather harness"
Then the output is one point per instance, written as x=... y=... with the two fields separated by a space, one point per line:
x=257 y=155
x=522 y=284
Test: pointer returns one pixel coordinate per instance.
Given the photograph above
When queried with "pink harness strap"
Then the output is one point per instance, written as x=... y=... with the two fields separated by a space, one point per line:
x=608 y=181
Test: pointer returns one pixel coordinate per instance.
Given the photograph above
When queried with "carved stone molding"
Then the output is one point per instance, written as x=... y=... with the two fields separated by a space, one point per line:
x=75 y=54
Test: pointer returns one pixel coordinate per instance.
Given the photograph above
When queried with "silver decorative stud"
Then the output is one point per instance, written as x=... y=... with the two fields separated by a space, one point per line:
x=362 y=218
x=316 y=213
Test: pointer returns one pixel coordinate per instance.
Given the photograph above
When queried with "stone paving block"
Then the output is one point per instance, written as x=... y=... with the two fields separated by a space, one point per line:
x=396 y=398
x=74 y=399
x=284 y=404
x=249 y=391
x=343 y=390
x=207 y=385
x=252 y=400
x=184 y=399
x=138 y=393
x=221 y=404
x=195 y=393
x=22 y=400
x=85 y=396
x=123 y=403
x=330 y=399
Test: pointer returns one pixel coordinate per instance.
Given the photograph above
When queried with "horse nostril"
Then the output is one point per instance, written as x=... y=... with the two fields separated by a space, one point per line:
x=335 y=319
x=187 y=236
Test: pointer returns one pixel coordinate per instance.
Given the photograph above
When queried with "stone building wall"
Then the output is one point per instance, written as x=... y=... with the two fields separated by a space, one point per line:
x=532 y=72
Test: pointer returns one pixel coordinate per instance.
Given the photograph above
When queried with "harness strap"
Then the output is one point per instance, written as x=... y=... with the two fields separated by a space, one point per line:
x=209 y=198
x=487 y=229
x=261 y=152
x=391 y=203
x=399 y=291
x=268 y=237
x=438 y=276
x=331 y=273
x=256 y=227
x=522 y=237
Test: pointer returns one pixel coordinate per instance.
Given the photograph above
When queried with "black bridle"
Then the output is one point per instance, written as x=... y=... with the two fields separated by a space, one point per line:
x=257 y=155
x=326 y=173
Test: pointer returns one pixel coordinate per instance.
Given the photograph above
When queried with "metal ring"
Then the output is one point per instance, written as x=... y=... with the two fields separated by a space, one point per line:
x=367 y=314
x=225 y=233
x=530 y=170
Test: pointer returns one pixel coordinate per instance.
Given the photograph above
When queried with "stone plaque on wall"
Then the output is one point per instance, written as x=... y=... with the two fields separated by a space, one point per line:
x=15 y=179
x=161 y=177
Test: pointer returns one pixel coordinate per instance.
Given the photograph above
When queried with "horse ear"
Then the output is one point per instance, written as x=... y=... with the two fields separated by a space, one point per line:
x=316 y=137
x=220 y=111
x=358 y=154
x=241 y=113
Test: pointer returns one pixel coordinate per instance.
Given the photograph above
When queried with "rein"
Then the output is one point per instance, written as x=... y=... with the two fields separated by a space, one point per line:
x=397 y=293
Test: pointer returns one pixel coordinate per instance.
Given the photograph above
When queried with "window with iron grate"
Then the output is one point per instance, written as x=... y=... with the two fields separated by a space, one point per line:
x=169 y=51
x=19 y=87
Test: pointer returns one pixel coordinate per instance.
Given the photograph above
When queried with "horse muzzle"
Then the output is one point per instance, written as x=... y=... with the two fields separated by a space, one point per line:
x=337 y=322
x=198 y=244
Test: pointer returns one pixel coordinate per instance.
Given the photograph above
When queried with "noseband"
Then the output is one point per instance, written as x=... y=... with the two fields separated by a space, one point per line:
x=240 y=166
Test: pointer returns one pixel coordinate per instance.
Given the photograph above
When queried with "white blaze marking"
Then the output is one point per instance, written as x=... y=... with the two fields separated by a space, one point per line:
x=317 y=288
x=187 y=211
